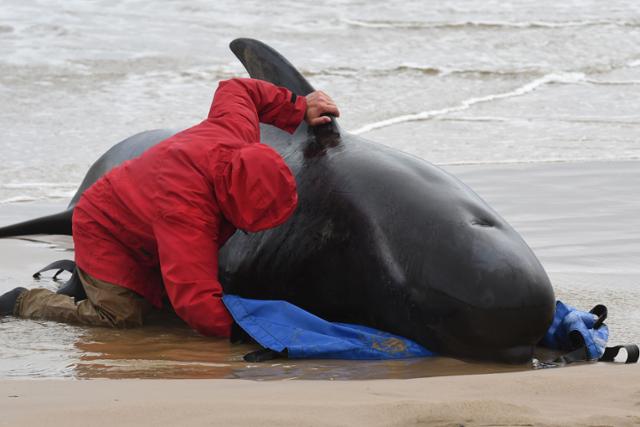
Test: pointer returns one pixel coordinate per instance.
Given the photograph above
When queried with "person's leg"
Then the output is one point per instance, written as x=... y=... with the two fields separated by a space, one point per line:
x=106 y=305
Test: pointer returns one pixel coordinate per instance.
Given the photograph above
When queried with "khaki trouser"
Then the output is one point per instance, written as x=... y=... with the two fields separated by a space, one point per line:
x=106 y=305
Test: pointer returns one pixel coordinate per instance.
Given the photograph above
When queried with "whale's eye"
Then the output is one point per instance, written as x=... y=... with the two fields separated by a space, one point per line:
x=482 y=222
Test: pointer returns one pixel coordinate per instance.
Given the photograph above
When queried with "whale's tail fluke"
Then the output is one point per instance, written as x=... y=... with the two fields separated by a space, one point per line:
x=59 y=223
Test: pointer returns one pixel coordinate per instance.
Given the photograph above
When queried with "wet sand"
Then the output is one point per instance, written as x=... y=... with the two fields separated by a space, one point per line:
x=165 y=348
x=580 y=219
x=582 y=395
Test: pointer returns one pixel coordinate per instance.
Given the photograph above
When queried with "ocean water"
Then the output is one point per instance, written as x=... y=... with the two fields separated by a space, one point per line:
x=479 y=87
x=453 y=81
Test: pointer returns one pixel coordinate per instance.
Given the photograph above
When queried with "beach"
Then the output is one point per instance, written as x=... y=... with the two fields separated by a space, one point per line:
x=583 y=233
x=594 y=395
x=533 y=104
x=577 y=217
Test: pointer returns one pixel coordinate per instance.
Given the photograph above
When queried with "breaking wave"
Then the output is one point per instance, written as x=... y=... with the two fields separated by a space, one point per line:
x=551 y=159
x=466 y=104
x=38 y=185
x=22 y=192
x=482 y=24
x=18 y=199
x=613 y=82
x=433 y=70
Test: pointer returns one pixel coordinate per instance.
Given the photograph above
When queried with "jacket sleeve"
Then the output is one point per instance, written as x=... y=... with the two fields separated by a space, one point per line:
x=240 y=105
x=188 y=253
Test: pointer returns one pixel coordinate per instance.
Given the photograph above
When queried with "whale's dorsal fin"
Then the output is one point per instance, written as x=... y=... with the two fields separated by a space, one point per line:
x=265 y=63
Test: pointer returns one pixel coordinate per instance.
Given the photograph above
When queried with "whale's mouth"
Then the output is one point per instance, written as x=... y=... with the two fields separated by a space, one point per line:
x=496 y=333
x=517 y=354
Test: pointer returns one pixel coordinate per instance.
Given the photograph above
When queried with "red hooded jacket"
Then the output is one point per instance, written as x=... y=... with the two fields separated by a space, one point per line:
x=161 y=217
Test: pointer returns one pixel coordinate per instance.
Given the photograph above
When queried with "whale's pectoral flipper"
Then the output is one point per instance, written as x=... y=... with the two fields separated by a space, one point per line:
x=264 y=63
x=62 y=265
x=59 y=223
x=72 y=287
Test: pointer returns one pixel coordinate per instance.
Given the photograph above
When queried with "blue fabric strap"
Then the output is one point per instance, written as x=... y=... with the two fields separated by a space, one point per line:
x=573 y=329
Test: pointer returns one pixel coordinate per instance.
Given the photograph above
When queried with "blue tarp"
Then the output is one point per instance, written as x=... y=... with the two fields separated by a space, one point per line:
x=279 y=326
x=569 y=321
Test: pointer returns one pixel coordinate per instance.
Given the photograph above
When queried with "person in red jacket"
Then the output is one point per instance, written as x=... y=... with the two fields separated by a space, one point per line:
x=152 y=227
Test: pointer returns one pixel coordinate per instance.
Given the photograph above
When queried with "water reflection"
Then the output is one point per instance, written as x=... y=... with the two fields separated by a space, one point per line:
x=33 y=349
x=172 y=350
x=177 y=352
x=166 y=348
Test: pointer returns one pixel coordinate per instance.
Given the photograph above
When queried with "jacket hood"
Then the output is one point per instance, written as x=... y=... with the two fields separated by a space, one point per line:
x=256 y=189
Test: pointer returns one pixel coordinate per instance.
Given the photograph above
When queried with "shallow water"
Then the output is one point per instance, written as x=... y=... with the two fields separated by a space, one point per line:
x=166 y=351
x=165 y=348
x=577 y=217
x=494 y=84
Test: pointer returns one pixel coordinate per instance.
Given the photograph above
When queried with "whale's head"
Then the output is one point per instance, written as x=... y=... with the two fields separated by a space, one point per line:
x=449 y=272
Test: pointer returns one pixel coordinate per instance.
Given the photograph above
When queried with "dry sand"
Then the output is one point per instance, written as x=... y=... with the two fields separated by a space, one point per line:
x=582 y=395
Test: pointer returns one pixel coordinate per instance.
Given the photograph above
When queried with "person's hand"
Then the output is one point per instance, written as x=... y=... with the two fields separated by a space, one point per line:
x=319 y=105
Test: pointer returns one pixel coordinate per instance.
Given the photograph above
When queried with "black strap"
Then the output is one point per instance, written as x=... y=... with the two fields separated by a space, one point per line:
x=62 y=265
x=610 y=353
x=600 y=311
x=264 y=354
x=239 y=335
x=578 y=355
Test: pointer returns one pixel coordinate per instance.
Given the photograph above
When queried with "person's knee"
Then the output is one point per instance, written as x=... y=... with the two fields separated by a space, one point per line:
x=121 y=307
x=129 y=320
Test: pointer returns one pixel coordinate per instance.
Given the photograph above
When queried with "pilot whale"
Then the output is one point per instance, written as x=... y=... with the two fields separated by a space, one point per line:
x=380 y=238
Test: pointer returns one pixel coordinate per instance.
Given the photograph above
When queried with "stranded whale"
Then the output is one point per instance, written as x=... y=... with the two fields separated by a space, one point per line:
x=380 y=238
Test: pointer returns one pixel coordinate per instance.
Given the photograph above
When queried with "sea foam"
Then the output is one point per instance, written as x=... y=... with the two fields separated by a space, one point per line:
x=468 y=103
